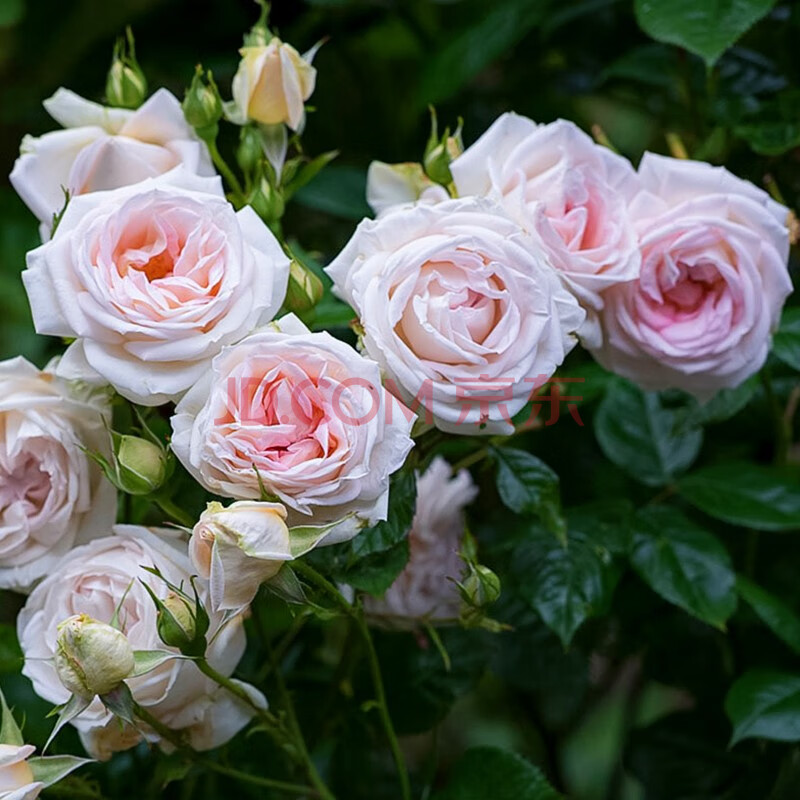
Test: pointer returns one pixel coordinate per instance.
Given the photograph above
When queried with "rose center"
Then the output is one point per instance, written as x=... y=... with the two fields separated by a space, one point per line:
x=26 y=482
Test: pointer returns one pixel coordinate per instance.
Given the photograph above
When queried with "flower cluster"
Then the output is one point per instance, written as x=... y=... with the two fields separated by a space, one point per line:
x=193 y=362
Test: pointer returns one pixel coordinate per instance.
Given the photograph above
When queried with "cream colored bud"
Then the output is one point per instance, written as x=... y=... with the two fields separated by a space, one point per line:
x=91 y=657
x=272 y=84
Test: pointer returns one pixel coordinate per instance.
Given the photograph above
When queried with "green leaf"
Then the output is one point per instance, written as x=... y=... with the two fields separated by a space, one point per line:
x=420 y=688
x=66 y=713
x=337 y=190
x=750 y=495
x=494 y=34
x=770 y=138
x=51 y=769
x=528 y=486
x=386 y=534
x=722 y=406
x=377 y=572
x=765 y=704
x=376 y=556
x=684 y=564
x=308 y=171
x=786 y=342
x=774 y=613
x=639 y=435
x=147 y=660
x=9 y=730
x=704 y=27
x=10 y=652
x=565 y=583
x=485 y=773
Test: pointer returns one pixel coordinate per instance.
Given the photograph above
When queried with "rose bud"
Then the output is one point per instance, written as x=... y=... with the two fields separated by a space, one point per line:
x=481 y=587
x=250 y=151
x=91 y=658
x=267 y=201
x=141 y=465
x=439 y=152
x=177 y=623
x=126 y=85
x=238 y=548
x=304 y=290
x=271 y=85
x=202 y=105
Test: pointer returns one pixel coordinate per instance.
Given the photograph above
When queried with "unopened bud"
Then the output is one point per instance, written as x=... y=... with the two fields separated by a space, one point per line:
x=92 y=658
x=250 y=151
x=141 y=465
x=177 y=625
x=182 y=621
x=482 y=586
x=439 y=152
x=267 y=201
x=126 y=85
x=202 y=105
x=304 y=289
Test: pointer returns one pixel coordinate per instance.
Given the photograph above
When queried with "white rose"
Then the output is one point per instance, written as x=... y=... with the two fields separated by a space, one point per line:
x=272 y=84
x=424 y=590
x=93 y=580
x=103 y=148
x=714 y=279
x=556 y=180
x=153 y=280
x=16 y=776
x=461 y=307
x=52 y=495
x=301 y=414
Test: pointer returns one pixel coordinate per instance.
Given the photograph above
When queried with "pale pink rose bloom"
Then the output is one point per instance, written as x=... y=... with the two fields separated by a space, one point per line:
x=556 y=180
x=302 y=414
x=52 y=495
x=713 y=282
x=103 y=148
x=16 y=776
x=424 y=590
x=461 y=307
x=154 y=280
x=93 y=580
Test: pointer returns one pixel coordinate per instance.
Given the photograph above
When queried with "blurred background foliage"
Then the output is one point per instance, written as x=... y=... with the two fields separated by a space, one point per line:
x=633 y=707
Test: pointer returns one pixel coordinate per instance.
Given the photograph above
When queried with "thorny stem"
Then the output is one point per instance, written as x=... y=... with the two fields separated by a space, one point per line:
x=175 y=739
x=288 y=705
x=357 y=615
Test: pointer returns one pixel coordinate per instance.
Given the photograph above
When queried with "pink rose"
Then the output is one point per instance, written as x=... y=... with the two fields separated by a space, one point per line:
x=153 y=280
x=460 y=307
x=424 y=589
x=93 y=580
x=52 y=495
x=555 y=180
x=301 y=414
x=103 y=148
x=713 y=281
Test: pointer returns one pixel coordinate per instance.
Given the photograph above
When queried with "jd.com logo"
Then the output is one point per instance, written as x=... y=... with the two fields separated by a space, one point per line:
x=480 y=400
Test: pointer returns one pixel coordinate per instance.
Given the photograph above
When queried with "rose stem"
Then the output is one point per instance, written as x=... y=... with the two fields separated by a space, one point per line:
x=174 y=738
x=357 y=614
x=272 y=721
